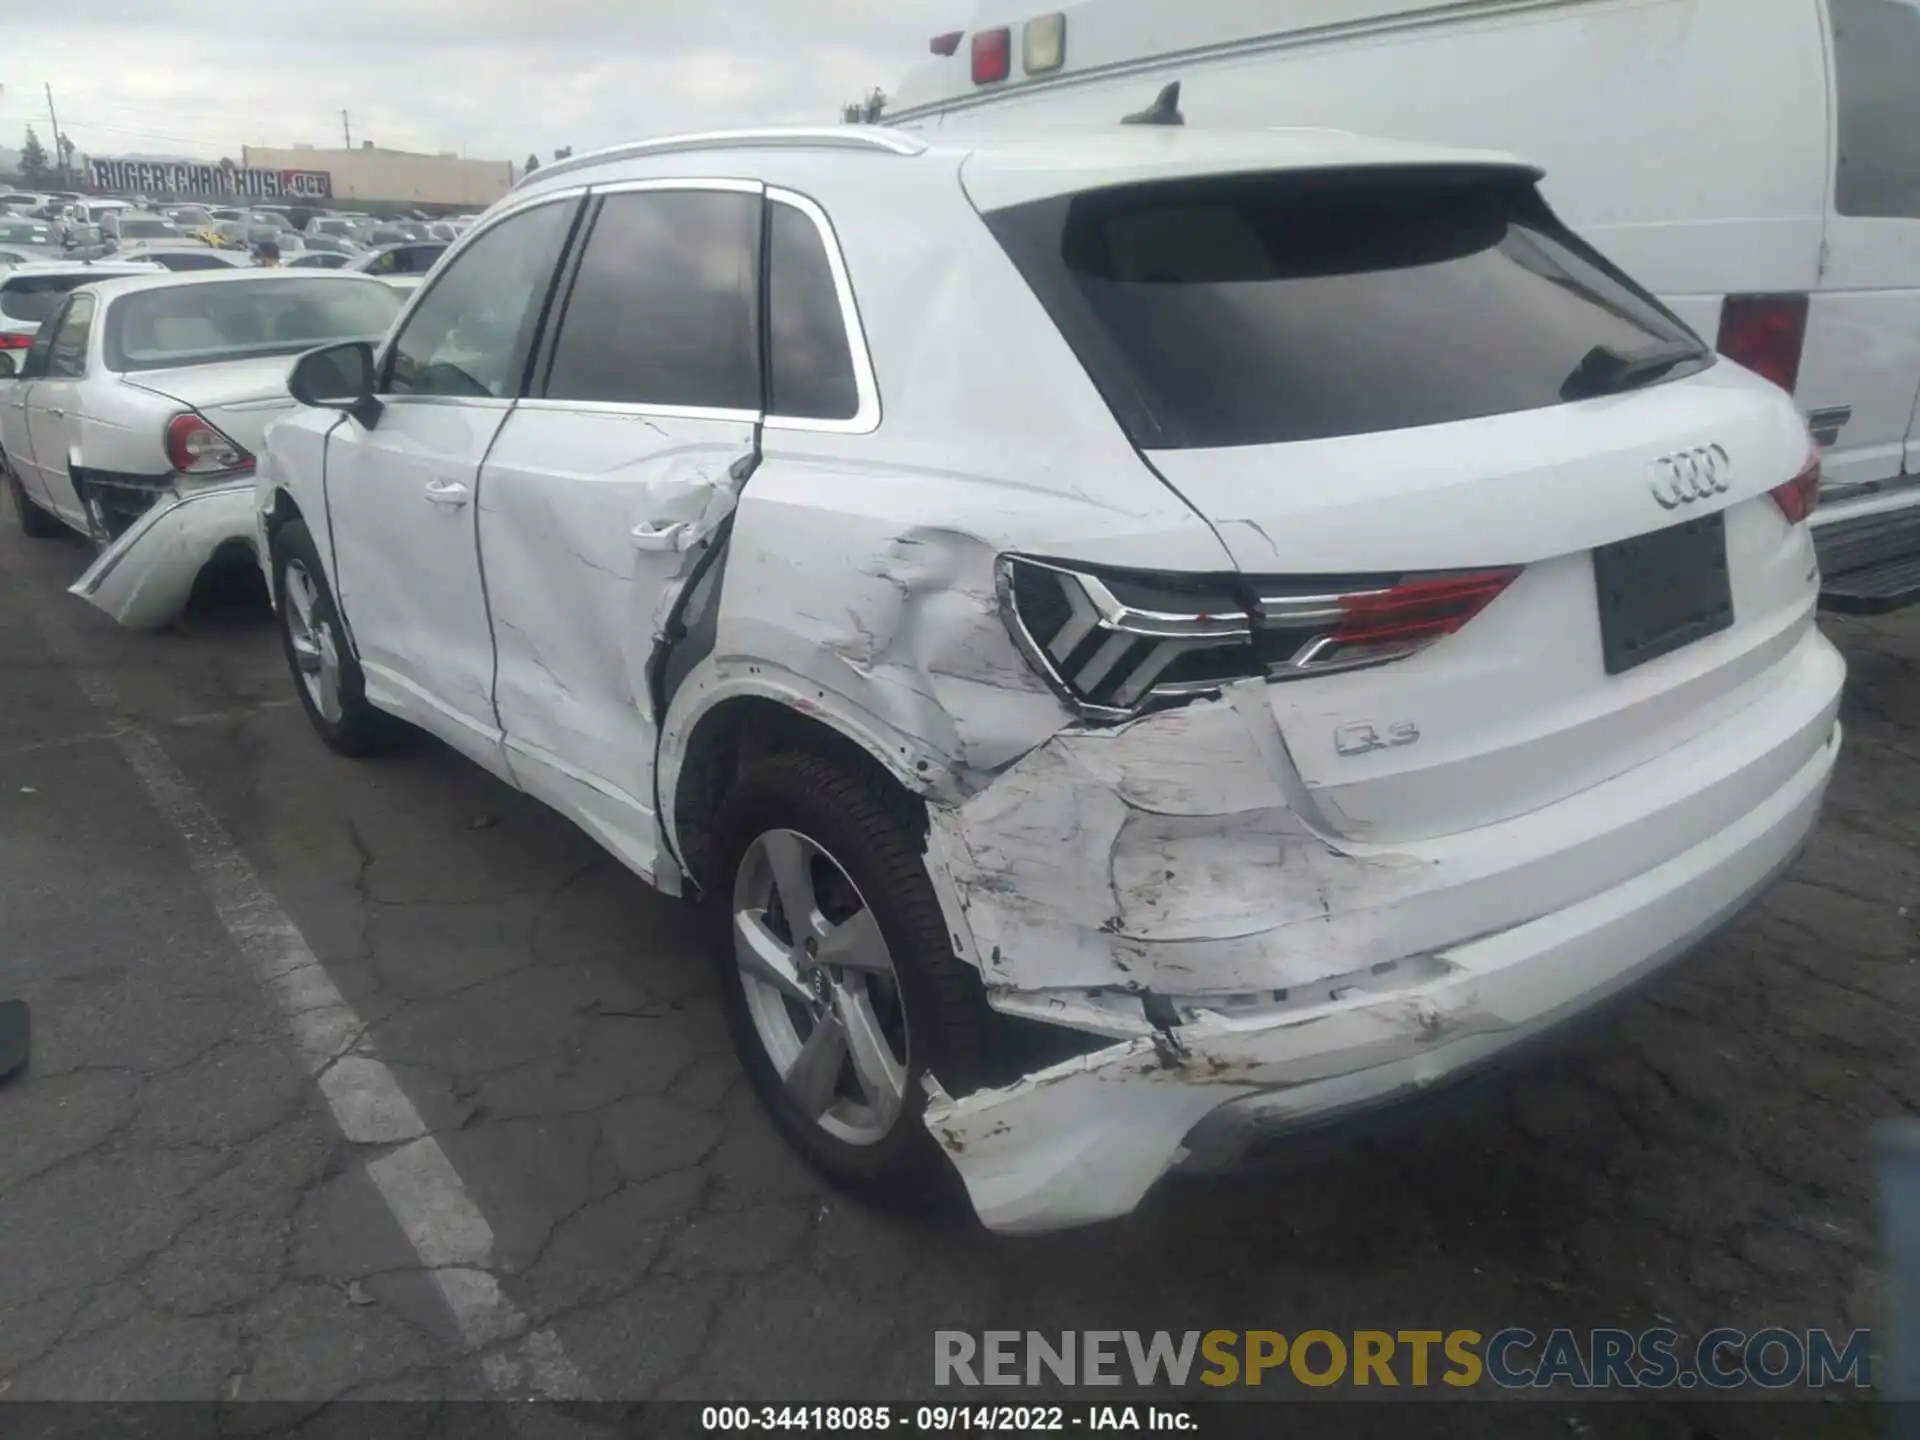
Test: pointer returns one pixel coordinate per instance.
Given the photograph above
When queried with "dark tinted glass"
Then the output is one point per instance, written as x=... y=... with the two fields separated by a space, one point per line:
x=34 y=297
x=419 y=259
x=1256 y=310
x=664 y=310
x=1876 y=59
x=472 y=330
x=188 y=260
x=812 y=367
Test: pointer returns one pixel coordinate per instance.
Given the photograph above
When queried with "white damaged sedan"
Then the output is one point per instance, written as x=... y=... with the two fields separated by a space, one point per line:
x=135 y=416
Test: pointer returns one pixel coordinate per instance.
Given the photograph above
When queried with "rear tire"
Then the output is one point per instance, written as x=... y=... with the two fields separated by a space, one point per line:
x=931 y=1006
x=326 y=675
x=35 y=523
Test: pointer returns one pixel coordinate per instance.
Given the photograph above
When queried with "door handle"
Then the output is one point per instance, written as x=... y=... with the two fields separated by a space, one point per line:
x=53 y=411
x=649 y=536
x=448 y=492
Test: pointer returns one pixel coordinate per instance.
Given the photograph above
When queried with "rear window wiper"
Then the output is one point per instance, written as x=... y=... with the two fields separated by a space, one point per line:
x=1606 y=371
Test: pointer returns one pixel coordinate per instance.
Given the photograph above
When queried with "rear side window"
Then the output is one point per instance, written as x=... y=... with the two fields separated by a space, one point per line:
x=67 y=357
x=1264 y=309
x=1876 y=72
x=32 y=298
x=665 y=308
x=811 y=364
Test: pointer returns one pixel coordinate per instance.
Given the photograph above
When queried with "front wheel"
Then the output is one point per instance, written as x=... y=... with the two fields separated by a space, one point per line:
x=840 y=982
x=325 y=673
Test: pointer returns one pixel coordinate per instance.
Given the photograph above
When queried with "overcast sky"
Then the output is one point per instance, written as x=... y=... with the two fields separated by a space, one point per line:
x=495 y=78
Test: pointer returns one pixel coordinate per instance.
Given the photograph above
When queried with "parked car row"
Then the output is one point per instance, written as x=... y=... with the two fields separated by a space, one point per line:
x=1141 y=635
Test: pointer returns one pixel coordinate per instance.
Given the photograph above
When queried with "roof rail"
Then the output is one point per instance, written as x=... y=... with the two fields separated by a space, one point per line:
x=792 y=137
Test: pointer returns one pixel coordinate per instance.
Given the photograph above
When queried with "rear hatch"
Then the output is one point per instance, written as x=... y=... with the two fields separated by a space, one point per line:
x=1503 y=525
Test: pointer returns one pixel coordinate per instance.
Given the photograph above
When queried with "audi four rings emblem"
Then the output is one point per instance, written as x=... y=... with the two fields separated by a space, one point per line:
x=1691 y=475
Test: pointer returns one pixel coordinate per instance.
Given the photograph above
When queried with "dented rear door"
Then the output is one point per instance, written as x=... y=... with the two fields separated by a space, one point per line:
x=608 y=483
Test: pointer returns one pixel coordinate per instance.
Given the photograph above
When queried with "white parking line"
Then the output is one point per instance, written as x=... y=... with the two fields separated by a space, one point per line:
x=425 y=1193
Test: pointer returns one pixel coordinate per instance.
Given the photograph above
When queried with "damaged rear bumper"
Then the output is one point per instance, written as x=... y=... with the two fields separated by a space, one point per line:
x=1084 y=1140
x=143 y=578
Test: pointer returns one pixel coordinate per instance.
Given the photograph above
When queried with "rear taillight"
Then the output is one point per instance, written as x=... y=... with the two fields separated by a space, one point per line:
x=1355 y=625
x=15 y=340
x=992 y=55
x=1765 y=333
x=195 y=448
x=1799 y=495
x=1115 y=643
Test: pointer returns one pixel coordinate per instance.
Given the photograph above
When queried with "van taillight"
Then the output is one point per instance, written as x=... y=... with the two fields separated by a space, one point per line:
x=1799 y=495
x=992 y=55
x=1765 y=333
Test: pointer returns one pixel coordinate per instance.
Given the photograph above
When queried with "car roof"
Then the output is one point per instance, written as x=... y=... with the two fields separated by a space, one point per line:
x=148 y=278
x=1016 y=164
x=104 y=268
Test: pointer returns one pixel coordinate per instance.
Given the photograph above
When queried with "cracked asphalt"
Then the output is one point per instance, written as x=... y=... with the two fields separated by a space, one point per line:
x=181 y=1218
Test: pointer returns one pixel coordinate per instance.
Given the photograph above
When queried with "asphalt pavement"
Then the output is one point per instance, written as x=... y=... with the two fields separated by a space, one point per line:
x=186 y=1214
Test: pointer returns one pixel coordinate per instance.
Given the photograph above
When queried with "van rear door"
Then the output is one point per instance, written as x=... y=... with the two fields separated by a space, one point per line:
x=1860 y=373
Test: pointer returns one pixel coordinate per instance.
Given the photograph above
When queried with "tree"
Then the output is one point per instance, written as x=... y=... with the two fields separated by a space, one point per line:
x=33 y=157
x=65 y=147
x=533 y=163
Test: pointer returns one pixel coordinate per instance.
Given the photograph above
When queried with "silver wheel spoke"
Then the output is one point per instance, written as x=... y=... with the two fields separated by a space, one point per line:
x=816 y=1069
x=329 y=678
x=880 y=1075
x=792 y=862
x=300 y=598
x=764 y=956
x=855 y=944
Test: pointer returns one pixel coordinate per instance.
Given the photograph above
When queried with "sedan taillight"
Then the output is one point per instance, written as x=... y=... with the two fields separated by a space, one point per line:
x=15 y=339
x=1114 y=644
x=195 y=448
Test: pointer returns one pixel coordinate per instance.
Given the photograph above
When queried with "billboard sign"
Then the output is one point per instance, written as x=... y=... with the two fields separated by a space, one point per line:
x=162 y=177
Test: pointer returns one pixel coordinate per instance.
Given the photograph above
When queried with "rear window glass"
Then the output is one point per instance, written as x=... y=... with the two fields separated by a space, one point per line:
x=13 y=232
x=32 y=298
x=145 y=229
x=200 y=324
x=1264 y=309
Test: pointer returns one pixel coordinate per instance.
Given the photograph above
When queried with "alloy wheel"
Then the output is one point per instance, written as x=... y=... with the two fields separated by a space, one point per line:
x=316 y=653
x=820 y=986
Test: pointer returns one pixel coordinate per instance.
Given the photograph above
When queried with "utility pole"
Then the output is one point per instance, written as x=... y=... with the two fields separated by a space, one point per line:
x=346 y=130
x=59 y=154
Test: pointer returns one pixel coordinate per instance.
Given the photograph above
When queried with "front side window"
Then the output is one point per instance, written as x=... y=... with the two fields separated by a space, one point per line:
x=665 y=307
x=1876 y=57
x=67 y=356
x=201 y=324
x=811 y=364
x=473 y=329
x=1262 y=309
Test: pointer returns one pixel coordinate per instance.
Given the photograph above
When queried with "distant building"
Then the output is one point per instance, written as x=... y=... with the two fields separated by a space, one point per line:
x=371 y=173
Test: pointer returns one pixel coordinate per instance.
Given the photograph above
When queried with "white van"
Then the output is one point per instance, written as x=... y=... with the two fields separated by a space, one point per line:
x=1756 y=163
